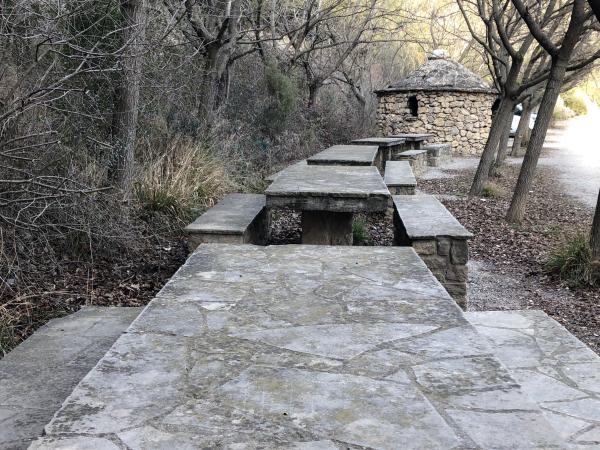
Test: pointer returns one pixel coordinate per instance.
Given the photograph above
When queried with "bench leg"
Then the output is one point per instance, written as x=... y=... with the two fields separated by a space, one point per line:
x=326 y=228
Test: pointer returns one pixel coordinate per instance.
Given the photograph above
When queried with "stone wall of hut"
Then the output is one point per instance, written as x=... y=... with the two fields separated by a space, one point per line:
x=461 y=118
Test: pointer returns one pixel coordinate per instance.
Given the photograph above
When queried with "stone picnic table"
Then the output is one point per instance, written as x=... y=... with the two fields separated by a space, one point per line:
x=415 y=140
x=388 y=146
x=300 y=347
x=328 y=197
x=347 y=155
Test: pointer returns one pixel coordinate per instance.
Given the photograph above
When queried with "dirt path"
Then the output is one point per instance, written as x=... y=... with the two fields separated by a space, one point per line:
x=574 y=152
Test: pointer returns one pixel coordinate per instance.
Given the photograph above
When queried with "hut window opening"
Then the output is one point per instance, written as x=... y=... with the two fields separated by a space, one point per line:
x=413 y=105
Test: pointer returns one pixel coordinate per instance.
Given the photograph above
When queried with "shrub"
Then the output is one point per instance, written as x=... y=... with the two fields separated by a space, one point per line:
x=561 y=112
x=572 y=263
x=359 y=232
x=490 y=190
x=575 y=101
x=282 y=88
x=284 y=93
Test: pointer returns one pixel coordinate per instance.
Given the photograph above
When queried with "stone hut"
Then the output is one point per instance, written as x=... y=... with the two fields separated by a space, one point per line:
x=443 y=98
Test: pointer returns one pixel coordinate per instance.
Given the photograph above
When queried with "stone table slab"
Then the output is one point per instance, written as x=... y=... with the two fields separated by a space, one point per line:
x=272 y=177
x=329 y=188
x=303 y=347
x=380 y=141
x=414 y=140
x=412 y=137
x=347 y=155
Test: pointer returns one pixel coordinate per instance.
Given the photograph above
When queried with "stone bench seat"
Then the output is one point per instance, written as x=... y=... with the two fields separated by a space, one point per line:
x=436 y=153
x=399 y=178
x=236 y=219
x=416 y=158
x=422 y=222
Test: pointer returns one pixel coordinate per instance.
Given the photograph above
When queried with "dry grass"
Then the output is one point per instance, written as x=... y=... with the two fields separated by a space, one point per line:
x=572 y=262
x=185 y=177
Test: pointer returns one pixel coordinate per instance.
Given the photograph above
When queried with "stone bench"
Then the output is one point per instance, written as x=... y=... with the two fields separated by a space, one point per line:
x=437 y=153
x=399 y=178
x=416 y=158
x=236 y=219
x=422 y=222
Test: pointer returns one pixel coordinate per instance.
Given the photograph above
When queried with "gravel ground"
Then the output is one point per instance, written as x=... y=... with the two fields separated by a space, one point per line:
x=507 y=261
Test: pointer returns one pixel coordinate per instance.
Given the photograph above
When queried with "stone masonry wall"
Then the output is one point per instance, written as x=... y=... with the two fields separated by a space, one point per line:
x=445 y=256
x=462 y=119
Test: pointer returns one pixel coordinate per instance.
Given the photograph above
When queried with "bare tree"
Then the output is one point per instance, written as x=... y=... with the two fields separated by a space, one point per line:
x=561 y=53
x=506 y=47
x=321 y=39
x=128 y=94
x=519 y=64
x=214 y=29
x=46 y=66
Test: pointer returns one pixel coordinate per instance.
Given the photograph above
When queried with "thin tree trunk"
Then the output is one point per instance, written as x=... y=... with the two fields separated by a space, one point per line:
x=313 y=91
x=522 y=129
x=128 y=95
x=516 y=211
x=502 y=149
x=208 y=87
x=595 y=236
x=503 y=114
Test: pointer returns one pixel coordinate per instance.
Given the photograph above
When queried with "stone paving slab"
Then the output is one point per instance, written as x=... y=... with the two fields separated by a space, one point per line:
x=305 y=347
x=329 y=188
x=351 y=155
x=556 y=370
x=37 y=376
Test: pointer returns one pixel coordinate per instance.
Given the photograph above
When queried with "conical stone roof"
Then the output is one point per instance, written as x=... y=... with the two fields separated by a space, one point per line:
x=440 y=74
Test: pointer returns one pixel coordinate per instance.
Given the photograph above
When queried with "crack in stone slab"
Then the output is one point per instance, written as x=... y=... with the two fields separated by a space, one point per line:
x=341 y=341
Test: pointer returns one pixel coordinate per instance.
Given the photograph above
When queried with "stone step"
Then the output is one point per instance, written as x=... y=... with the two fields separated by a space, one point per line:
x=556 y=370
x=38 y=375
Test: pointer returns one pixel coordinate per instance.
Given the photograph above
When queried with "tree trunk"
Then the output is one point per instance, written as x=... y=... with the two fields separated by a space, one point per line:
x=595 y=236
x=208 y=88
x=516 y=210
x=128 y=95
x=502 y=149
x=313 y=91
x=522 y=129
x=503 y=115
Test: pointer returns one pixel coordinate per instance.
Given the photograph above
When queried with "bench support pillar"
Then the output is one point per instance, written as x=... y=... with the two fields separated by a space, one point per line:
x=326 y=228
